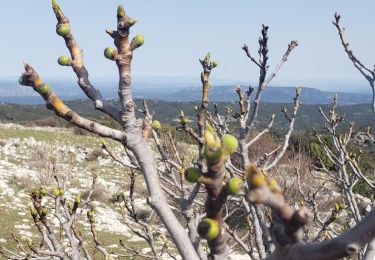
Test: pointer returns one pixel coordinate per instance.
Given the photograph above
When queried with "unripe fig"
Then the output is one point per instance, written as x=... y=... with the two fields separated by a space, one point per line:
x=192 y=174
x=35 y=192
x=92 y=220
x=110 y=53
x=120 y=11
x=185 y=120
x=61 y=192
x=55 y=191
x=43 y=191
x=63 y=30
x=208 y=228
x=64 y=60
x=34 y=213
x=44 y=89
x=209 y=139
x=212 y=154
x=208 y=56
x=44 y=211
x=90 y=213
x=156 y=125
x=78 y=199
x=132 y=22
x=230 y=143
x=137 y=41
x=214 y=64
x=235 y=186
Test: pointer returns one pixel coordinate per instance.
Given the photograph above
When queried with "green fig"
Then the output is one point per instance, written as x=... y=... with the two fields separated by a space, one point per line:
x=192 y=174
x=64 y=61
x=132 y=22
x=209 y=139
x=55 y=191
x=44 y=89
x=92 y=220
x=230 y=143
x=110 y=53
x=78 y=199
x=235 y=186
x=90 y=214
x=44 y=211
x=120 y=11
x=43 y=191
x=212 y=154
x=208 y=228
x=185 y=120
x=61 y=192
x=35 y=192
x=209 y=128
x=34 y=213
x=63 y=30
x=156 y=125
x=214 y=64
x=137 y=41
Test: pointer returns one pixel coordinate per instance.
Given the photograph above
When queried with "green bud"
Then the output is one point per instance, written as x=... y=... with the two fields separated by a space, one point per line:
x=44 y=89
x=43 y=191
x=196 y=108
x=235 y=186
x=44 y=211
x=156 y=125
x=35 y=192
x=185 y=120
x=33 y=211
x=90 y=213
x=78 y=199
x=132 y=22
x=61 y=192
x=137 y=41
x=55 y=191
x=70 y=205
x=64 y=61
x=63 y=30
x=214 y=64
x=92 y=220
x=230 y=143
x=110 y=53
x=120 y=11
x=208 y=229
x=192 y=174
x=208 y=56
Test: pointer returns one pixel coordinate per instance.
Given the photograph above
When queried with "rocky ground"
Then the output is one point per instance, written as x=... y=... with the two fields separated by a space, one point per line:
x=25 y=163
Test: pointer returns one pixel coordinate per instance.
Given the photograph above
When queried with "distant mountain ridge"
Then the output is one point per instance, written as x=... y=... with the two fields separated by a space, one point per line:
x=11 y=92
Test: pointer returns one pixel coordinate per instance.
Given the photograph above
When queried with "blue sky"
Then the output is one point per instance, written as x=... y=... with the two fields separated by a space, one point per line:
x=177 y=33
